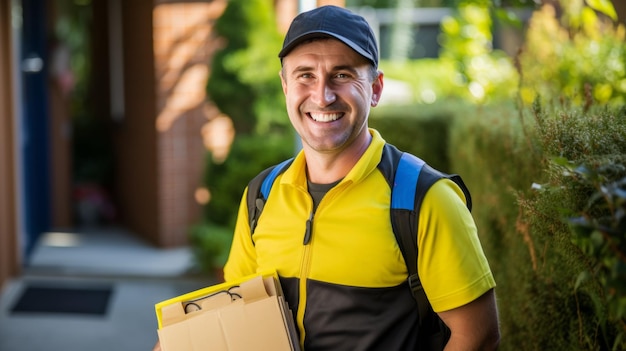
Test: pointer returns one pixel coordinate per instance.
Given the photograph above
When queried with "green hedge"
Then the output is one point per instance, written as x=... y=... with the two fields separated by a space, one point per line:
x=421 y=130
x=556 y=290
x=531 y=247
x=579 y=145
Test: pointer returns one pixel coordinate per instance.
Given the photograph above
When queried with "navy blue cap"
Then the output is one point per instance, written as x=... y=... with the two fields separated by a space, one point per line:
x=332 y=21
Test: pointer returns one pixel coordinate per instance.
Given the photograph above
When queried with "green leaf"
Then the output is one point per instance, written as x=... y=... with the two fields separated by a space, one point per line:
x=562 y=161
x=582 y=277
x=597 y=239
x=604 y=6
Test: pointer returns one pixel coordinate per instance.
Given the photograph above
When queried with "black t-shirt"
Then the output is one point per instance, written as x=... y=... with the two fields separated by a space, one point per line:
x=318 y=191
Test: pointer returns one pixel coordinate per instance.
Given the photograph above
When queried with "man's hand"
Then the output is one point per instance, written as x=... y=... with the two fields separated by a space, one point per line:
x=474 y=326
x=157 y=347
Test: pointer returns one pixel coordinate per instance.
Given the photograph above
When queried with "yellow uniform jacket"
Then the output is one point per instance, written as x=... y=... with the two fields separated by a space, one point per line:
x=347 y=286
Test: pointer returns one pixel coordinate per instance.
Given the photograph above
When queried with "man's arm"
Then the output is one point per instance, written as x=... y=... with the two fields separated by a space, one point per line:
x=474 y=326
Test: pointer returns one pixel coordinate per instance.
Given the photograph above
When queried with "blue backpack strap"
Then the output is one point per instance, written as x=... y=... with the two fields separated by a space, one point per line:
x=259 y=189
x=409 y=178
x=403 y=173
x=266 y=186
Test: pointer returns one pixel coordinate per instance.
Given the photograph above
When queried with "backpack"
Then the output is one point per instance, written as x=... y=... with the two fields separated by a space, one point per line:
x=409 y=177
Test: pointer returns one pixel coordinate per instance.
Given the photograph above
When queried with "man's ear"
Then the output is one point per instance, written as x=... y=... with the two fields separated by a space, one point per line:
x=377 y=89
x=282 y=81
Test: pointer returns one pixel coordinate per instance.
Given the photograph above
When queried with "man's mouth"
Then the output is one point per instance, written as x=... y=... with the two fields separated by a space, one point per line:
x=325 y=117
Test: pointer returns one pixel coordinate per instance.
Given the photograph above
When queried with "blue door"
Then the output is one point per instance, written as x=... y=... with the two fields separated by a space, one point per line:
x=34 y=124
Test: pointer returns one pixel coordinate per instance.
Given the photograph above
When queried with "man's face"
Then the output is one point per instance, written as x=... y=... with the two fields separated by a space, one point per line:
x=329 y=89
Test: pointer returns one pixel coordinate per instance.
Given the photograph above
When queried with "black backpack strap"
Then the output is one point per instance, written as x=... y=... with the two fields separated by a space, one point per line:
x=259 y=189
x=408 y=187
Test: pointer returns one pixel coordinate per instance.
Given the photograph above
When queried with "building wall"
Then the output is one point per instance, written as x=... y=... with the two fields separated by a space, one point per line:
x=134 y=136
x=9 y=257
x=159 y=143
x=184 y=43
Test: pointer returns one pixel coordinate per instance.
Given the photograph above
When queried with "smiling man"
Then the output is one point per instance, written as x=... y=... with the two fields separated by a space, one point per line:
x=326 y=228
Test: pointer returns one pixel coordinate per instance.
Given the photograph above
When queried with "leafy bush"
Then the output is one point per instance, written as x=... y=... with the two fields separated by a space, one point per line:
x=468 y=67
x=578 y=259
x=430 y=80
x=537 y=258
x=244 y=81
x=575 y=57
x=484 y=73
x=244 y=84
x=599 y=232
x=211 y=245
x=249 y=155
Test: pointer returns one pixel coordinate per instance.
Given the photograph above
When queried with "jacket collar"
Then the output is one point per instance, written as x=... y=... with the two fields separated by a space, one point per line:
x=296 y=173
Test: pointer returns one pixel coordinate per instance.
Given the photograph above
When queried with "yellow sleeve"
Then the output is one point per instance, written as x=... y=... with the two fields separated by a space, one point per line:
x=242 y=258
x=451 y=263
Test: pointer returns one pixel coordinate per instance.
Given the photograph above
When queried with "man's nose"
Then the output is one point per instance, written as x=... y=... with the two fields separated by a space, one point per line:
x=323 y=94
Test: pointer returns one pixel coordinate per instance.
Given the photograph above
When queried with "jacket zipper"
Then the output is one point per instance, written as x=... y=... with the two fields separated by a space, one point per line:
x=304 y=273
x=309 y=229
x=305 y=266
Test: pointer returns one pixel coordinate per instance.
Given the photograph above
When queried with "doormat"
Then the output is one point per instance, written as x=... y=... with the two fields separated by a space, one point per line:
x=64 y=300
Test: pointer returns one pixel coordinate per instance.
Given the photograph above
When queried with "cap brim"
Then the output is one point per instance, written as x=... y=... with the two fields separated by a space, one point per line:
x=323 y=34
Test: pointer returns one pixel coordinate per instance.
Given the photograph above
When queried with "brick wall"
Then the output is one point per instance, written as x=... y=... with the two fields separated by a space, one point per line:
x=184 y=43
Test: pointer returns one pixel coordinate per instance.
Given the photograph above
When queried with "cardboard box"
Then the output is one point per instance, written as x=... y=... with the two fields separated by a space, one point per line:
x=249 y=314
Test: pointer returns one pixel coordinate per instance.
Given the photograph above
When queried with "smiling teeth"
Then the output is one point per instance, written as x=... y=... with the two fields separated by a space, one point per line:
x=325 y=117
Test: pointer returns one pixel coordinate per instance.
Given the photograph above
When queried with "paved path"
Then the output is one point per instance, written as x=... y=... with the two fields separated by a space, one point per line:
x=139 y=275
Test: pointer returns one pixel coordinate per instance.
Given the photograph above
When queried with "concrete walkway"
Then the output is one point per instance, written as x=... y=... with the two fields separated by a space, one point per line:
x=139 y=275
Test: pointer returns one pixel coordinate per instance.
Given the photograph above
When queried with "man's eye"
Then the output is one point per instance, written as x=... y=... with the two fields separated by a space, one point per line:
x=341 y=76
